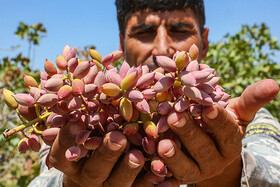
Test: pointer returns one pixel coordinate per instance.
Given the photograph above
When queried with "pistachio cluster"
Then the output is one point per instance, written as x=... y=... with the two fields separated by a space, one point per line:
x=93 y=98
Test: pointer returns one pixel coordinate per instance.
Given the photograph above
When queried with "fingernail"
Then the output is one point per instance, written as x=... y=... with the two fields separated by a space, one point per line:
x=133 y=164
x=170 y=153
x=165 y=184
x=116 y=141
x=166 y=147
x=181 y=122
x=211 y=112
x=114 y=146
x=134 y=158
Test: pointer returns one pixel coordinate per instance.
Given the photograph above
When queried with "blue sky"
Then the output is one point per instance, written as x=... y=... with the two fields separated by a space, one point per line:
x=86 y=22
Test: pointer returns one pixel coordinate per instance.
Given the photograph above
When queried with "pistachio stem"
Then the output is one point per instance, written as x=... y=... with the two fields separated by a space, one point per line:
x=69 y=75
x=23 y=133
x=37 y=110
x=84 y=102
x=10 y=132
x=123 y=91
x=36 y=130
x=20 y=117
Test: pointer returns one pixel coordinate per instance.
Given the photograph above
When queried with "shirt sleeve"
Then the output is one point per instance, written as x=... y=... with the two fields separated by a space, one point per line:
x=261 y=152
x=47 y=178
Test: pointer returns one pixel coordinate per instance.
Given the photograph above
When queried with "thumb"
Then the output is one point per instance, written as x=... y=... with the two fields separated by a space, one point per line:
x=253 y=98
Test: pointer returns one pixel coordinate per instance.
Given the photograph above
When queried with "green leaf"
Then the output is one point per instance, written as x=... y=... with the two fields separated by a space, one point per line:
x=244 y=58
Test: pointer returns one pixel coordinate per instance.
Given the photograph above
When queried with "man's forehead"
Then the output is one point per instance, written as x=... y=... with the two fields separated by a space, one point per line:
x=156 y=17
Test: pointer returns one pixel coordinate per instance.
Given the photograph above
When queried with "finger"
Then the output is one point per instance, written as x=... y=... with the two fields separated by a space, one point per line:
x=171 y=182
x=200 y=145
x=142 y=182
x=100 y=164
x=253 y=98
x=148 y=180
x=64 y=140
x=181 y=166
x=126 y=172
x=228 y=134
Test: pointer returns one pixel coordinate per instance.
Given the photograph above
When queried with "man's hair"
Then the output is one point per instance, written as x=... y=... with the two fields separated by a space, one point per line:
x=125 y=8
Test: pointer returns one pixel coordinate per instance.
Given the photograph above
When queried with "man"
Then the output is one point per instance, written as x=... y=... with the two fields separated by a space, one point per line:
x=160 y=27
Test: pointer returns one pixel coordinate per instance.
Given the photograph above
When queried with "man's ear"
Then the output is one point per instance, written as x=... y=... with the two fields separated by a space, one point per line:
x=121 y=46
x=205 y=43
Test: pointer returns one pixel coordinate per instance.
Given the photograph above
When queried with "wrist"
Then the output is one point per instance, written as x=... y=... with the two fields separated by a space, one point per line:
x=231 y=176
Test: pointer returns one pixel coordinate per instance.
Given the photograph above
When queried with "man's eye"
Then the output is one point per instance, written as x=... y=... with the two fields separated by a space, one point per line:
x=176 y=31
x=145 y=33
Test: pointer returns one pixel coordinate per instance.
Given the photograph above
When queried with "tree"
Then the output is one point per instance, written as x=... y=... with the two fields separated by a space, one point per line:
x=244 y=58
x=33 y=34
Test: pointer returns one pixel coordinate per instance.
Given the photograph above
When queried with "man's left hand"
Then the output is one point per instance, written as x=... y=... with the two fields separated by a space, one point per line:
x=214 y=160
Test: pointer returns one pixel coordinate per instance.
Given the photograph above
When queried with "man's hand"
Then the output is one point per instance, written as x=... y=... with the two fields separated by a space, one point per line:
x=102 y=168
x=214 y=161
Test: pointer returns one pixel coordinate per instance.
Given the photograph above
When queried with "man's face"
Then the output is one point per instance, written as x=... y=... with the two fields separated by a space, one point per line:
x=149 y=34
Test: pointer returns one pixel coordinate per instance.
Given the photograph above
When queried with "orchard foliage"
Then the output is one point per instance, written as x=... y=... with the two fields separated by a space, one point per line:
x=16 y=169
x=244 y=58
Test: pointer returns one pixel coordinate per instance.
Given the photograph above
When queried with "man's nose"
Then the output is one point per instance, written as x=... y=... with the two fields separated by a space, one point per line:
x=162 y=44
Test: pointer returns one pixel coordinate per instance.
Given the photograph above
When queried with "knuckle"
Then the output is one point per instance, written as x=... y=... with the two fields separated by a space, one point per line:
x=70 y=169
x=205 y=151
x=190 y=176
x=188 y=131
x=92 y=177
x=108 y=155
x=54 y=161
x=220 y=125
x=235 y=139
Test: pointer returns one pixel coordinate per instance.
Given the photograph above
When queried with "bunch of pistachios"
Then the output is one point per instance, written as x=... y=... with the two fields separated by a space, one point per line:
x=93 y=98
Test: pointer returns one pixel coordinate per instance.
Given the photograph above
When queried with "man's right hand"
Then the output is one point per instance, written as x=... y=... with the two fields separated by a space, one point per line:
x=102 y=168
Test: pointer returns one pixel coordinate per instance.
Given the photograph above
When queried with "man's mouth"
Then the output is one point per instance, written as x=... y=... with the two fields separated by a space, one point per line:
x=155 y=62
